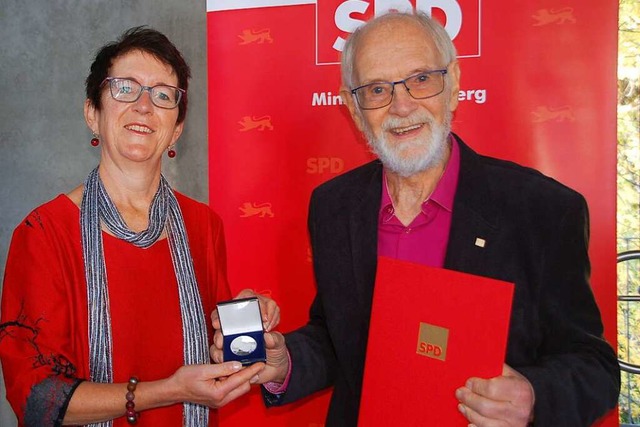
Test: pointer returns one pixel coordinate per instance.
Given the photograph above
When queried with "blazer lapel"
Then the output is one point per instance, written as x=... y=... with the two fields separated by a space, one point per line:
x=475 y=225
x=363 y=239
x=363 y=226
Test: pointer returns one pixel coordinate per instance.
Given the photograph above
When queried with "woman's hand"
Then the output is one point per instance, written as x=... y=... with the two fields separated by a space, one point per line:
x=213 y=385
x=210 y=385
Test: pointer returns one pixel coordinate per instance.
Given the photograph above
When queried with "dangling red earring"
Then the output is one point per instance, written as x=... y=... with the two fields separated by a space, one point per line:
x=171 y=153
x=95 y=141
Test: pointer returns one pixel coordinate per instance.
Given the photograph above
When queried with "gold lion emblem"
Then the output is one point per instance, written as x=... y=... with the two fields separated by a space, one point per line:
x=260 y=123
x=554 y=16
x=256 y=209
x=259 y=36
x=546 y=114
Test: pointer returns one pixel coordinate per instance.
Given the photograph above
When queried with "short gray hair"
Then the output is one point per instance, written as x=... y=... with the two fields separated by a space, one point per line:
x=432 y=28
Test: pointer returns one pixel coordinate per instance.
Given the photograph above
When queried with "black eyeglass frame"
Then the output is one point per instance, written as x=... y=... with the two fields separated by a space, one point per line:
x=143 y=88
x=442 y=72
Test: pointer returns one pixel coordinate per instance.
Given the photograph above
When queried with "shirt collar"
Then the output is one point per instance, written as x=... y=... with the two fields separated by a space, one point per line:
x=444 y=192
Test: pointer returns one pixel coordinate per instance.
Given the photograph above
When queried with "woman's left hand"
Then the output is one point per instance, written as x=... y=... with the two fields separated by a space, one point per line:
x=212 y=385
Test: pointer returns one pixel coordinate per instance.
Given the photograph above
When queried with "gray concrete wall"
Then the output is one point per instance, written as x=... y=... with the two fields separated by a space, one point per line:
x=46 y=48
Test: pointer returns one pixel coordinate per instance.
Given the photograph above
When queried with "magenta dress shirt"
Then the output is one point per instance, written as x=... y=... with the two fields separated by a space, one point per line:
x=424 y=241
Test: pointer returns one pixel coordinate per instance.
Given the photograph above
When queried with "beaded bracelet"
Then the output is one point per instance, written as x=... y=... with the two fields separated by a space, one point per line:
x=132 y=415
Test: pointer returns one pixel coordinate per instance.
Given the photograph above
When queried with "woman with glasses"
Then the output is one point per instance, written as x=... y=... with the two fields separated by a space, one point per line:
x=108 y=288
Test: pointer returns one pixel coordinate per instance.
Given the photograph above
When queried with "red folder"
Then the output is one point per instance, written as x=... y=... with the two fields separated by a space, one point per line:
x=431 y=329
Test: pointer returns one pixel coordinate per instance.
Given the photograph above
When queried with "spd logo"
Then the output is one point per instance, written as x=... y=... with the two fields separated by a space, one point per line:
x=336 y=19
x=432 y=341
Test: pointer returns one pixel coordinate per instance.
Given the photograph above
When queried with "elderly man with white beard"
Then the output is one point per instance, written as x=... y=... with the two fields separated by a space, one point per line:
x=425 y=200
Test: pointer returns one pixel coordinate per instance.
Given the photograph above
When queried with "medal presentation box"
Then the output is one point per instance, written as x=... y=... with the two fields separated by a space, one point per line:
x=242 y=331
x=431 y=329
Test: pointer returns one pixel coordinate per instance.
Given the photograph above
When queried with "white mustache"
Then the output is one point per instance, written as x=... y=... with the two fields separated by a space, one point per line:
x=417 y=118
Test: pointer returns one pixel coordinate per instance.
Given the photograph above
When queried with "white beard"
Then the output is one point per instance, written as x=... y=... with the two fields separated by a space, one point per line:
x=428 y=151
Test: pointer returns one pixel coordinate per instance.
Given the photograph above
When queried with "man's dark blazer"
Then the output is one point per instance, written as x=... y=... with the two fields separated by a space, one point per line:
x=536 y=233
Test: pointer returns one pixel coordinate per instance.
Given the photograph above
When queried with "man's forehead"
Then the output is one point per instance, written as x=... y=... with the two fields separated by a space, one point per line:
x=392 y=49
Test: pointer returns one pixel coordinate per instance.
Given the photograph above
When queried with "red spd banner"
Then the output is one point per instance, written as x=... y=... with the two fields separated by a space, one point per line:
x=538 y=87
x=336 y=19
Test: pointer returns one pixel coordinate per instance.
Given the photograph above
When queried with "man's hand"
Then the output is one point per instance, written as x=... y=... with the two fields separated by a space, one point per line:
x=277 y=359
x=504 y=401
x=277 y=364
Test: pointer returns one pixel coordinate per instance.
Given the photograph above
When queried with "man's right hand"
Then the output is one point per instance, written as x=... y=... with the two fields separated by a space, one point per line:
x=277 y=359
x=277 y=364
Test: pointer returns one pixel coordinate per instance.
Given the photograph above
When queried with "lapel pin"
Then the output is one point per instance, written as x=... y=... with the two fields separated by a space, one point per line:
x=480 y=242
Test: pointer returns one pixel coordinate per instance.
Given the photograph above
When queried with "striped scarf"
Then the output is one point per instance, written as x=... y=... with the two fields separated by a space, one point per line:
x=96 y=209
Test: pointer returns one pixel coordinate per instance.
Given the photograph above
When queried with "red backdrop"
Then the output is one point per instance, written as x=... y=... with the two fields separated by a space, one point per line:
x=538 y=87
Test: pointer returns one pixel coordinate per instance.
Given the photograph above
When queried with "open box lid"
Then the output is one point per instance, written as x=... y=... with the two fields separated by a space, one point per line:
x=240 y=316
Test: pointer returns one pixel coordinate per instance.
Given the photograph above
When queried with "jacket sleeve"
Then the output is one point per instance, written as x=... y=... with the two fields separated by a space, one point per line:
x=576 y=378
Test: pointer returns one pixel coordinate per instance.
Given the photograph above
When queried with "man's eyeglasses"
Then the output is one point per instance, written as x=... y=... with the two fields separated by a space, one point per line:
x=129 y=90
x=420 y=86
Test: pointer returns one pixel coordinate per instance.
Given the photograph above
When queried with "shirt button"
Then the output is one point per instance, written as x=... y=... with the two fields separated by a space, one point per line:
x=407 y=230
